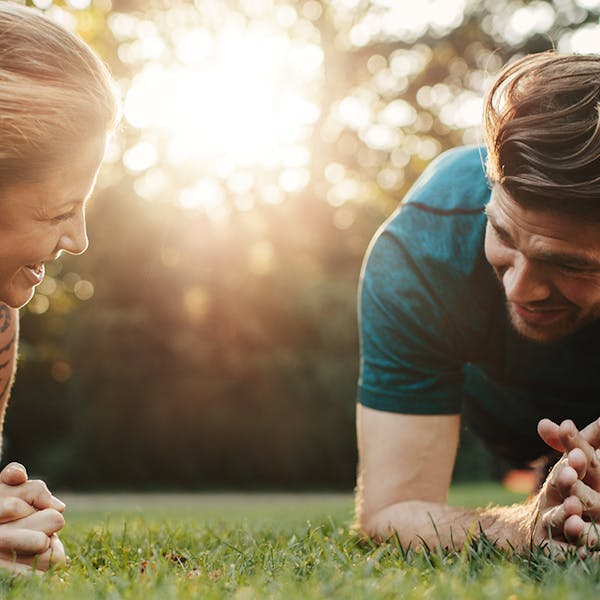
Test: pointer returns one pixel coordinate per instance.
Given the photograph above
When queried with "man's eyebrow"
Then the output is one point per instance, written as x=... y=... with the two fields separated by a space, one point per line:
x=503 y=234
x=578 y=261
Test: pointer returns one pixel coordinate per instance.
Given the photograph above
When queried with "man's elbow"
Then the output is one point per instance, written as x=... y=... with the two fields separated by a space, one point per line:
x=367 y=523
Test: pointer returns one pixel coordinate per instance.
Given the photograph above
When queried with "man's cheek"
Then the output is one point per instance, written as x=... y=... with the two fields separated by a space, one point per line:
x=496 y=257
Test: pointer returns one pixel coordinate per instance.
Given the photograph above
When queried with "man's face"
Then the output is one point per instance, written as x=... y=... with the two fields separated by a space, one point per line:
x=40 y=220
x=548 y=264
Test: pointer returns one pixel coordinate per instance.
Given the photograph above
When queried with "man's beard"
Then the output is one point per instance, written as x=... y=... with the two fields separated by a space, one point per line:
x=571 y=322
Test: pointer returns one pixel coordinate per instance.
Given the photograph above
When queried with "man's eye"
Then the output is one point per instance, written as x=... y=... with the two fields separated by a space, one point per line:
x=502 y=238
x=574 y=269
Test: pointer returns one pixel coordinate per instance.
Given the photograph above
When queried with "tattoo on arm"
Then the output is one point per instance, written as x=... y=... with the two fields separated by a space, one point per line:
x=5 y=318
x=7 y=363
x=5 y=322
x=9 y=326
x=7 y=350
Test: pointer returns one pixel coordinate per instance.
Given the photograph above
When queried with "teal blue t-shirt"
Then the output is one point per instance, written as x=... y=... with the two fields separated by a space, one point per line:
x=435 y=334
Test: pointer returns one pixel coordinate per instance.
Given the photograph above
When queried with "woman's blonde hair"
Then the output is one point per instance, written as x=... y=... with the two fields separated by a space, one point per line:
x=55 y=95
x=542 y=131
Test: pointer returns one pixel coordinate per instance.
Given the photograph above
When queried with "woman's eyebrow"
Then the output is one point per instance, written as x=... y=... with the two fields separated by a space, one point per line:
x=71 y=202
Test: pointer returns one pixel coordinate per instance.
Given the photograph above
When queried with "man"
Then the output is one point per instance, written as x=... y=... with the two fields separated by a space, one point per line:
x=480 y=300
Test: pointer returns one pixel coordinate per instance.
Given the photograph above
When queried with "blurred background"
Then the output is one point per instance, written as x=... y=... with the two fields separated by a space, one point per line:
x=208 y=338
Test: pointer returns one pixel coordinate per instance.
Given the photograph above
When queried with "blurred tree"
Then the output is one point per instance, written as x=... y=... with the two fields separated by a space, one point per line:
x=208 y=337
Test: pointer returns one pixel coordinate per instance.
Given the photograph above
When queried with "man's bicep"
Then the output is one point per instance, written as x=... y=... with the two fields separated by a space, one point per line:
x=403 y=457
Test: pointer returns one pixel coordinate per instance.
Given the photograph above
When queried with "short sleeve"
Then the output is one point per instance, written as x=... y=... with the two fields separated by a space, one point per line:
x=419 y=311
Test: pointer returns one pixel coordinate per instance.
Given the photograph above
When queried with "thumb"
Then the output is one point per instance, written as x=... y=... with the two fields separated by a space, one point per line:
x=13 y=474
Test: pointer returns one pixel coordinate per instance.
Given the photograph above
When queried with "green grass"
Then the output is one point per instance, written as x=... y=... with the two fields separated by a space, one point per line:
x=262 y=546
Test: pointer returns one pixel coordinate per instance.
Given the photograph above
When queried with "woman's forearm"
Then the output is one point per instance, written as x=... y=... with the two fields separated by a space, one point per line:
x=9 y=337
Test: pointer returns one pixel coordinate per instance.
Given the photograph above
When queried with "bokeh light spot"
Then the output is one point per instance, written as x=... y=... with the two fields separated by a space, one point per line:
x=61 y=371
x=293 y=180
x=83 y=289
x=140 y=157
x=344 y=217
x=39 y=304
x=42 y=4
x=47 y=287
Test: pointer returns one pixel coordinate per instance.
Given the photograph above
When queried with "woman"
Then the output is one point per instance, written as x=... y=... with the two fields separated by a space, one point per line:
x=57 y=107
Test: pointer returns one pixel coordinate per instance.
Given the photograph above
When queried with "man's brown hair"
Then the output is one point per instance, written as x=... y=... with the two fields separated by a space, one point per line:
x=542 y=132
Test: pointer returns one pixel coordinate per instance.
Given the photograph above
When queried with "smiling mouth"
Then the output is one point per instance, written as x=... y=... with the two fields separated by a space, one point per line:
x=37 y=268
x=539 y=316
x=34 y=273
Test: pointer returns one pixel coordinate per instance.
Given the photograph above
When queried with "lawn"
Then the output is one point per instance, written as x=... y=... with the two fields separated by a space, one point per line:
x=278 y=546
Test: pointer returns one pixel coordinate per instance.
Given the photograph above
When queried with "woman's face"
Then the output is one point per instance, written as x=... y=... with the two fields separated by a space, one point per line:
x=40 y=220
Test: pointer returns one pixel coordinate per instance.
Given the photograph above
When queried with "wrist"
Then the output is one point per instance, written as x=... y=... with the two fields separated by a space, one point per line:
x=511 y=527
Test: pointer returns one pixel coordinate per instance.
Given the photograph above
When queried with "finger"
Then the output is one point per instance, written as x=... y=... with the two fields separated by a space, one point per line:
x=58 y=556
x=15 y=567
x=591 y=433
x=559 y=551
x=579 y=532
x=22 y=541
x=578 y=461
x=572 y=439
x=573 y=529
x=590 y=499
x=13 y=509
x=572 y=506
x=548 y=431
x=562 y=480
x=13 y=474
x=36 y=492
x=53 y=557
x=590 y=535
x=553 y=520
x=592 y=475
x=47 y=521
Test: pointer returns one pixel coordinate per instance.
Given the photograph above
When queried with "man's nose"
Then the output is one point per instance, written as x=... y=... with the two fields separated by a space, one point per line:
x=524 y=282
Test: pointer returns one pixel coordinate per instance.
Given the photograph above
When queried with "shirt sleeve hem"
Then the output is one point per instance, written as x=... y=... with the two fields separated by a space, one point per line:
x=409 y=405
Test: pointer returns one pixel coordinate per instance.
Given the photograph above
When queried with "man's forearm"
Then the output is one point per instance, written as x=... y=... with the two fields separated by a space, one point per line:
x=418 y=523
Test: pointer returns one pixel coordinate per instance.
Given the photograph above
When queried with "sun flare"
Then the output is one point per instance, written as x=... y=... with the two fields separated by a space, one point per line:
x=243 y=99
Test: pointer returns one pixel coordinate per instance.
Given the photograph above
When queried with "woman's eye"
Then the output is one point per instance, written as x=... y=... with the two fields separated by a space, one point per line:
x=63 y=217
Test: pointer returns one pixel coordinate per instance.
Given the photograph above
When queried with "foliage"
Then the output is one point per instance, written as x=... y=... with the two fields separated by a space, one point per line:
x=215 y=344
